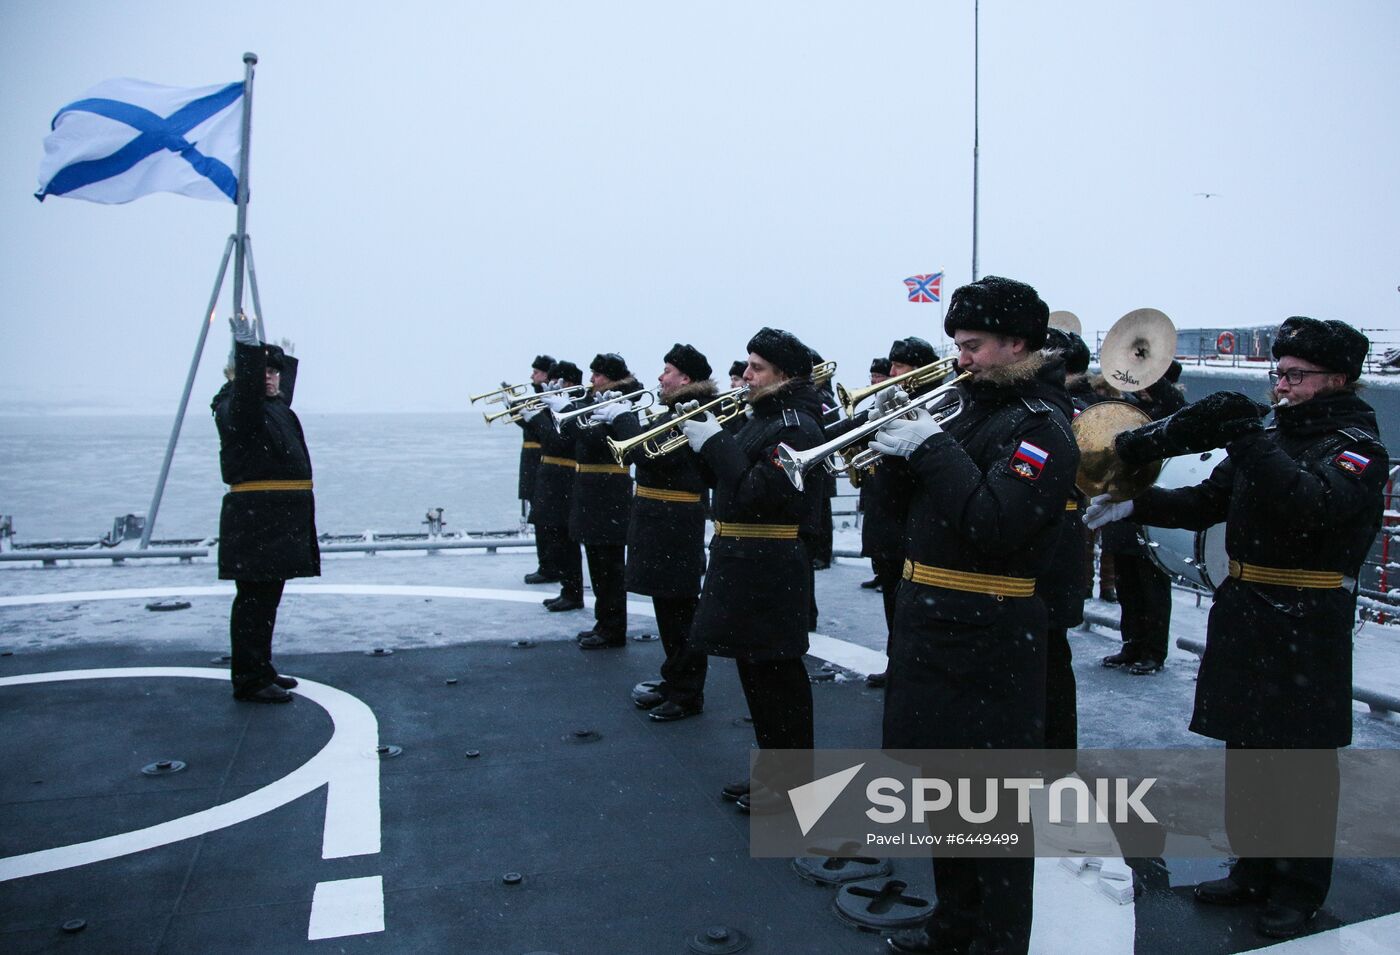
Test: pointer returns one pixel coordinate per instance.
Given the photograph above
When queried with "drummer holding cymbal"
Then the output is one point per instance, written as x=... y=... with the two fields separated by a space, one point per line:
x=1303 y=502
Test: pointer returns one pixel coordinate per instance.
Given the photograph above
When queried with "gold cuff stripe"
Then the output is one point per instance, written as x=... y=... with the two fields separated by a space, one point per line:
x=532 y=445
x=787 y=532
x=1071 y=505
x=969 y=582
x=561 y=462
x=1285 y=576
x=601 y=469
x=270 y=486
x=674 y=497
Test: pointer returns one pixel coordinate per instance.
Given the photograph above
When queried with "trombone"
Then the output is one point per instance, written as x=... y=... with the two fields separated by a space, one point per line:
x=910 y=381
x=667 y=437
x=644 y=399
x=821 y=373
x=834 y=453
x=504 y=393
x=517 y=404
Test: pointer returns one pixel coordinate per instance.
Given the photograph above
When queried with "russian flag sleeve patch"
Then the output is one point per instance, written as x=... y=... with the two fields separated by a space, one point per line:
x=1028 y=461
x=1351 y=462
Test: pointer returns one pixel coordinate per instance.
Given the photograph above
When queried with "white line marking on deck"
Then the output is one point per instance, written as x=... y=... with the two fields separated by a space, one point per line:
x=352 y=801
x=347 y=907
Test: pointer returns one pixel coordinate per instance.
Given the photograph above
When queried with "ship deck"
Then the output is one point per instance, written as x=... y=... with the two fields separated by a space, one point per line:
x=531 y=809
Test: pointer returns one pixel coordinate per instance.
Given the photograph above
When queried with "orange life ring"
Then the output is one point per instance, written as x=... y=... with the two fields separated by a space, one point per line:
x=1225 y=344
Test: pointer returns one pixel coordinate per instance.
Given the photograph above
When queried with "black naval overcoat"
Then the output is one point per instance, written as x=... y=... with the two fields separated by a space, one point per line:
x=554 y=479
x=666 y=539
x=757 y=596
x=967 y=669
x=1306 y=494
x=602 y=499
x=263 y=534
x=529 y=459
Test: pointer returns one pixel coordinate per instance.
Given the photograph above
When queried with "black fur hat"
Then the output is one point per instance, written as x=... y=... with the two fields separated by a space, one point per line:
x=565 y=371
x=610 y=365
x=1173 y=372
x=1332 y=344
x=542 y=363
x=880 y=365
x=689 y=362
x=1072 y=349
x=1002 y=307
x=276 y=357
x=784 y=350
x=737 y=369
x=912 y=351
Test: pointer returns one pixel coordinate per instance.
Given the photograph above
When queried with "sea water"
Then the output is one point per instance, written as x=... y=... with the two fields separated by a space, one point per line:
x=66 y=477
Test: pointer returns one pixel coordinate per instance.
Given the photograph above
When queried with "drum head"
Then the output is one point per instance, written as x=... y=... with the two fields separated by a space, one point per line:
x=1197 y=557
x=1100 y=469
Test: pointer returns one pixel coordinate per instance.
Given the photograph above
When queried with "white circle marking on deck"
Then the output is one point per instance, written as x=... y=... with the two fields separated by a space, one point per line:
x=352 y=798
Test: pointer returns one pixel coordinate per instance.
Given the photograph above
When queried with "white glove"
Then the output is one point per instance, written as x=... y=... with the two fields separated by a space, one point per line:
x=245 y=330
x=1102 y=511
x=607 y=413
x=532 y=412
x=287 y=345
x=685 y=407
x=904 y=436
x=888 y=399
x=699 y=430
x=556 y=402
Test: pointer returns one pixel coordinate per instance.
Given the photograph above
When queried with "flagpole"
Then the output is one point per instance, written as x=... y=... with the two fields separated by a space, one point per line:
x=235 y=244
x=241 y=230
x=975 y=74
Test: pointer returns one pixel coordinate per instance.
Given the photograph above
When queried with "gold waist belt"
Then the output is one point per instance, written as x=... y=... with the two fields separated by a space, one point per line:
x=601 y=469
x=270 y=486
x=1285 y=576
x=569 y=463
x=675 y=497
x=968 y=581
x=1071 y=505
x=786 y=532
x=530 y=444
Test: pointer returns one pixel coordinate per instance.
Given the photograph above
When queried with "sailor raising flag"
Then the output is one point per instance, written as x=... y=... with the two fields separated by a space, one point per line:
x=124 y=139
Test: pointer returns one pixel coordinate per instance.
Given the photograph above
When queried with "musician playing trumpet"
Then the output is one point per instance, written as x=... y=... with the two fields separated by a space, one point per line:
x=967 y=665
x=666 y=544
x=1302 y=502
x=602 y=498
x=755 y=601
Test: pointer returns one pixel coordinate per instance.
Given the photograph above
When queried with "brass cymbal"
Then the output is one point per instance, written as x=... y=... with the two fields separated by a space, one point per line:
x=1066 y=321
x=1138 y=349
x=1100 y=469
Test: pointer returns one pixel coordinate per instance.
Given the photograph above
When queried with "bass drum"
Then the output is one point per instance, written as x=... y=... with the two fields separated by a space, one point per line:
x=1197 y=557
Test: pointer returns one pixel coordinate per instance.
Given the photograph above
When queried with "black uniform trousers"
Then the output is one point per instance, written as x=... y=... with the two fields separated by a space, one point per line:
x=607 y=565
x=683 y=671
x=1001 y=890
x=251 y=620
x=1145 y=594
x=779 y=694
x=889 y=571
x=1261 y=798
x=560 y=555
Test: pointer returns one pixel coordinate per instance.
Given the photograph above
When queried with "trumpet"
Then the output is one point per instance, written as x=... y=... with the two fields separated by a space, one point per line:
x=644 y=399
x=911 y=381
x=833 y=454
x=667 y=437
x=503 y=393
x=517 y=404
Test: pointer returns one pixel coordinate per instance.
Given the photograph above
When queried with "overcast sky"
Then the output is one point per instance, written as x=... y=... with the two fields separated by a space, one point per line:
x=442 y=190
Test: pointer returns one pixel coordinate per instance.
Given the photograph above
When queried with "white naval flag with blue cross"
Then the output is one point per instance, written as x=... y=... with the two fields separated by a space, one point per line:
x=125 y=139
